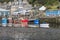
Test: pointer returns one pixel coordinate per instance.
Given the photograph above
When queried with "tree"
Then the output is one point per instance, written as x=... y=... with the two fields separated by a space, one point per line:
x=31 y=2
x=52 y=2
x=2 y=1
x=43 y=2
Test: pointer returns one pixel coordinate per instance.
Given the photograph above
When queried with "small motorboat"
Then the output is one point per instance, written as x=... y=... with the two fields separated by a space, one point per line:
x=44 y=25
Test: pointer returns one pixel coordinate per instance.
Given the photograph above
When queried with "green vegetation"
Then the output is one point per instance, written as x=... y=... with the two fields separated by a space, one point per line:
x=50 y=4
x=43 y=2
x=2 y=1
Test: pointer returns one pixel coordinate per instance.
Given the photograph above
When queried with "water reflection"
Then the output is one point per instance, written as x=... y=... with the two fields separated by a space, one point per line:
x=54 y=25
x=6 y=38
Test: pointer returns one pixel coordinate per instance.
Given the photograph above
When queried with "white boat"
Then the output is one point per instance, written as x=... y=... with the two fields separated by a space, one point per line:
x=44 y=25
x=33 y=25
